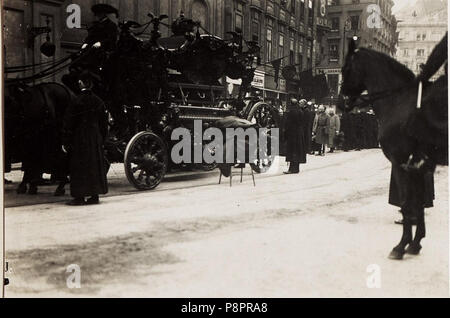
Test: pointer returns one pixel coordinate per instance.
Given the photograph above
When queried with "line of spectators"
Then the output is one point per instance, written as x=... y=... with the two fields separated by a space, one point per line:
x=350 y=131
x=312 y=129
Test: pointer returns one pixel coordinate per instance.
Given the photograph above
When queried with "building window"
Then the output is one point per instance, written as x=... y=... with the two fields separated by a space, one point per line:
x=292 y=6
x=335 y=24
x=239 y=7
x=354 y=20
x=420 y=52
x=421 y=36
x=333 y=51
x=302 y=9
x=239 y=18
x=255 y=26
x=280 y=45
x=405 y=52
x=238 y=23
x=292 y=51
x=199 y=12
x=309 y=49
x=269 y=44
x=310 y=12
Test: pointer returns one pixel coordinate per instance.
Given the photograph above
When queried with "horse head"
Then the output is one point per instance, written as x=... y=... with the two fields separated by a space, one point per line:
x=377 y=73
x=16 y=96
x=353 y=78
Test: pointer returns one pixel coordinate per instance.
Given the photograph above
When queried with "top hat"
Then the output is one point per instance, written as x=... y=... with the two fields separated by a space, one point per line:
x=103 y=8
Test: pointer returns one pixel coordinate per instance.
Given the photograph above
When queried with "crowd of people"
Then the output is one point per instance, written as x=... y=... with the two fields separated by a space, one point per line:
x=313 y=129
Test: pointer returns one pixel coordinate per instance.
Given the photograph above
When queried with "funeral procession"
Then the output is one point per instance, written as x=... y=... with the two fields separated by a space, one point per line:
x=225 y=149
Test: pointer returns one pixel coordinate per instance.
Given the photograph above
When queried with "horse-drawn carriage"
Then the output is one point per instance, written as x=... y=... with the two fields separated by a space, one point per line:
x=151 y=87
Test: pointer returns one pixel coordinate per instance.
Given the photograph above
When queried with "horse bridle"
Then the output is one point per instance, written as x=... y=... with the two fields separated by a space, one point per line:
x=372 y=98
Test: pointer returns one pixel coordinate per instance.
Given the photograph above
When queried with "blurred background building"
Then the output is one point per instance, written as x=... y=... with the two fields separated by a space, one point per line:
x=292 y=30
x=422 y=24
x=355 y=18
x=310 y=36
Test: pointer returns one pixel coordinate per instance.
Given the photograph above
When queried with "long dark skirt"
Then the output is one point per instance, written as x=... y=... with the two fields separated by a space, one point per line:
x=87 y=165
x=413 y=189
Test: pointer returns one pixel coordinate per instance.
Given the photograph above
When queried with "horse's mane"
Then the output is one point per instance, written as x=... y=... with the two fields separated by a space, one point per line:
x=394 y=65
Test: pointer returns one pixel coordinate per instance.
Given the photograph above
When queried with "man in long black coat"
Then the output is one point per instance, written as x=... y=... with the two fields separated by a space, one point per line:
x=295 y=137
x=84 y=131
x=308 y=124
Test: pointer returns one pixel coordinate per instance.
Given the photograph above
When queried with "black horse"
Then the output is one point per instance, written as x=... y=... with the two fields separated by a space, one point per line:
x=33 y=125
x=392 y=89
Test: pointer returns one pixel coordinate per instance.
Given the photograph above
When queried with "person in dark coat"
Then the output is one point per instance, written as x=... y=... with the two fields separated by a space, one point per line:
x=103 y=30
x=416 y=188
x=84 y=131
x=309 y=116
x=295 y=127
x=347 y=129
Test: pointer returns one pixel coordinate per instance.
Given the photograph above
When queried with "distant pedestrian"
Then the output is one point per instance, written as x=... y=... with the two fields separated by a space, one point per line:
x=84 y=132
x=334 y=128
x=295 y=127
x=320 y=129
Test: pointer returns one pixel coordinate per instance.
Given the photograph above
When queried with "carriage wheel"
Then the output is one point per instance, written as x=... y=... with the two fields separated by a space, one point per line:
x=146 y=160
x=265 y=116
x=208 y=166
x=261 y=165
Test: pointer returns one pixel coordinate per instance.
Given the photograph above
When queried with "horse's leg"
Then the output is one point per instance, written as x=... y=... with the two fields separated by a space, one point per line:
x=399 y=250
x=63 y=180
x=61 y=171
x=422 y=193
x=22 y=189
x=36 y=176
x=414 y=247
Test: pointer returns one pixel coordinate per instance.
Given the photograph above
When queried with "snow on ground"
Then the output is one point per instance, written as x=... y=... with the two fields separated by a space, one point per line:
x=306 y=235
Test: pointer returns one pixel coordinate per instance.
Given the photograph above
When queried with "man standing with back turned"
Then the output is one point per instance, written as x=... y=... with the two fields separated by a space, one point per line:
x=84 y=131
x=295 y=136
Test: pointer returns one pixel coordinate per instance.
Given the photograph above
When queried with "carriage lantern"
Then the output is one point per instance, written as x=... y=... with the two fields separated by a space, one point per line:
x=47 y=48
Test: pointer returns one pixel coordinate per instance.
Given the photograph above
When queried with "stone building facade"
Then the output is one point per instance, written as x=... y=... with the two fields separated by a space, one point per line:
x=290 y=29
x=371 y=21
x=418 y=35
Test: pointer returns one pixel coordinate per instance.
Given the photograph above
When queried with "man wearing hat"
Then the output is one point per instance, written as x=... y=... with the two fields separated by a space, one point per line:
x=320 y=129
x=295 y=127
x=85 y=128
x=103 y=32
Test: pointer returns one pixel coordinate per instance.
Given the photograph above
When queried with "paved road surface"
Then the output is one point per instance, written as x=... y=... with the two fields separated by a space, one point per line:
x=312 y=234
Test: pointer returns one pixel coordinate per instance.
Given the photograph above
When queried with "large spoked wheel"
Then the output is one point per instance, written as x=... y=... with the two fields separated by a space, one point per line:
x=146 y=160
x=265 y=116
x=262 y=164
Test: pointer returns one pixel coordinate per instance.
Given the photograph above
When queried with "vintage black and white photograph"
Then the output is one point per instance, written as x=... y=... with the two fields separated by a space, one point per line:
x=225 y=149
